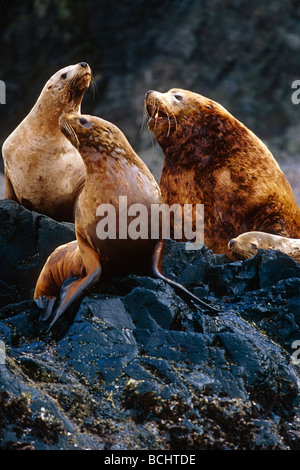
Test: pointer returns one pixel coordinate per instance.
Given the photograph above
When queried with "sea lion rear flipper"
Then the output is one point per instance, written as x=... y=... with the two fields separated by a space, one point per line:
x=74 y=290
x=157 y=266
x=46 y=304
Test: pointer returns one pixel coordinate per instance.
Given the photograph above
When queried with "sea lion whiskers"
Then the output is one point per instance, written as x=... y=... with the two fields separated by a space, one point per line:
x=169 y=121
x=157 y=110
x=64 y=124
x=175 y=120
x=94 y=86
x=153 y=108
x=145 y=114
x=156 y=115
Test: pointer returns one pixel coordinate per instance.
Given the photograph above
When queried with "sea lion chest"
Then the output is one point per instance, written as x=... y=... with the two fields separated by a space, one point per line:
x=114 y=215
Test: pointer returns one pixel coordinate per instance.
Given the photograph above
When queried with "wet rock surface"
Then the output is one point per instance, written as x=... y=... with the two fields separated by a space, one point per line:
x=133 y=366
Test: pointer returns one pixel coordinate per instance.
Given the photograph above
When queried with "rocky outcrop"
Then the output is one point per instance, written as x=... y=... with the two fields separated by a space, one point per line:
x=133 y=366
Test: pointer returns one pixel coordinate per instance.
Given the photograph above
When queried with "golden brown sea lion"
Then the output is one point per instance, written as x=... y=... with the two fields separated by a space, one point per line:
x=64 y=263
x=247 y=245
x=113 y=172
x=44 y=171
x=213 y=159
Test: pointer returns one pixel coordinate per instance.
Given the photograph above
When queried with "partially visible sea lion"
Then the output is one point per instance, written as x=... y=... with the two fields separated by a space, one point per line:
x=113 y=170
x=213 y=159
x=64 y=263
x=44 y=171
x=247 y=245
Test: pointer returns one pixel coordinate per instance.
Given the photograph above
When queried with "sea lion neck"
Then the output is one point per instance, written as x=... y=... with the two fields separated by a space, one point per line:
x=104 y=158
x=50 y=111
x=213 y=143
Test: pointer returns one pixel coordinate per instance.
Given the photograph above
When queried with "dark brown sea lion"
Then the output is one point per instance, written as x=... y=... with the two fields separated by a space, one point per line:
x=113 y=171
x=213 y=159
x=247 y=245
x=44 y=171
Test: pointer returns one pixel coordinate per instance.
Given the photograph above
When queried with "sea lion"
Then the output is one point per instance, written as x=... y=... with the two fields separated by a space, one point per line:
x=247 y=245
x=213 y=159
x=44 y=172
x=65 y=263
x=113 y=171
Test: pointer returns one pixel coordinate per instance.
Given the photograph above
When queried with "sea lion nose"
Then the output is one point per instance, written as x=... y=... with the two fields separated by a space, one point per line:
x=148 y=93
x=231 y=243
x=83 y=64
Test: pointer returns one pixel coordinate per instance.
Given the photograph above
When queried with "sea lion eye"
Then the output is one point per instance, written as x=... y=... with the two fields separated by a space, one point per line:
x=178 y=97
x=85 y=123
x=209 y=106
x=63 y=76
x=254 y=245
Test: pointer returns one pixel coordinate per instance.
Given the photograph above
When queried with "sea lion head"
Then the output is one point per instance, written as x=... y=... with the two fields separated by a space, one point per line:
x=180 y=116
x=86 y=132
x=66 y=88
x=247 y=244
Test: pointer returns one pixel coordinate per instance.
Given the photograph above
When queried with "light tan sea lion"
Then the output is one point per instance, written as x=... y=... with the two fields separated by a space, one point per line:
x=44 y=171
x=247 y=245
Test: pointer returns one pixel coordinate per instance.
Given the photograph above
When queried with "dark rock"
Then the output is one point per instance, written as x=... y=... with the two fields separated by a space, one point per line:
x=26 y=240
x=150 y=310
x=276 y=266
x=133 y=366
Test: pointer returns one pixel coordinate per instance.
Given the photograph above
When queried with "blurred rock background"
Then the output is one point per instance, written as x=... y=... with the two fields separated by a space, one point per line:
x=242 y=53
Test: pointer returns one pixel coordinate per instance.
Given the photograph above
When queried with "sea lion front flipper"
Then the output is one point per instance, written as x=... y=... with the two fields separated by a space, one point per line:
x=76 y=289
x=9 y=190
x=157 y=259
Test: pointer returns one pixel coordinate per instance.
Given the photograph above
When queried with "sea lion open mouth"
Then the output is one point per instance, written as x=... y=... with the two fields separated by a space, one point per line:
x=155 y=112
x=160 y=117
